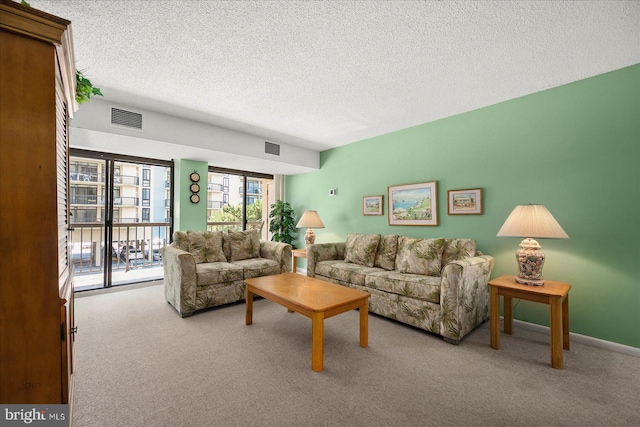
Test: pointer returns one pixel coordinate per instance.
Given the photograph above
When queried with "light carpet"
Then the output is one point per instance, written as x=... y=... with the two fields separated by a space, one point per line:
x=138 y=363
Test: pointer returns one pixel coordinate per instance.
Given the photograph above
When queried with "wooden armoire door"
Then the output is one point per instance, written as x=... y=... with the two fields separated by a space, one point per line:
x=37 y=87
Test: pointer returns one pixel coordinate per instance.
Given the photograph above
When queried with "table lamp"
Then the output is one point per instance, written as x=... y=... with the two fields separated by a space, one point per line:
x=531 y=221
x=310 y=220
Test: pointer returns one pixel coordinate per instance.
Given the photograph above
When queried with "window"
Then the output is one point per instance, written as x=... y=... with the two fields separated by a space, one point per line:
x=242 y=204
x=146 y=197
x=146 y=214
x=80 y=215
x=81 y=195
x=146 y=177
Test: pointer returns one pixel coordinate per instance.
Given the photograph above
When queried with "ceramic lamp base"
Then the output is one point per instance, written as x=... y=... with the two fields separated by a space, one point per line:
x=530 y=261
x=309 y=237
x=530 y=282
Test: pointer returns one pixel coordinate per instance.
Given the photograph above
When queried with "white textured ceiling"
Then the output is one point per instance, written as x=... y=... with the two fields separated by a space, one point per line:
x=321 y=74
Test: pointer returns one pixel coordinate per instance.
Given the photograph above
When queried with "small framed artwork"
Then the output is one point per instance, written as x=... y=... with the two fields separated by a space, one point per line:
x=465 y=202
x=413 y=204
x=372 y=205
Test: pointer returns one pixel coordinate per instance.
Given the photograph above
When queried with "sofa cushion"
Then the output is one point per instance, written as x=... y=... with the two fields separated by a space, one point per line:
x=212 y=273
x=206 y=246
x=361 y=248
x=258 y=267
x=419 y=256
x=417 y=286
x=387 y=250
x=455 y=249
x=181 y=240
x=244 y=244
x=345 y=271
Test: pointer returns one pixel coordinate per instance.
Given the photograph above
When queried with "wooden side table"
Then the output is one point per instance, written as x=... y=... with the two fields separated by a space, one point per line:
x=297 y=253
x=556 y=294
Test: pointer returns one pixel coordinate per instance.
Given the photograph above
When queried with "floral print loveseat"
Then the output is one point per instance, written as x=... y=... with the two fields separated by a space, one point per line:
x=439 y=285
x=207 y=268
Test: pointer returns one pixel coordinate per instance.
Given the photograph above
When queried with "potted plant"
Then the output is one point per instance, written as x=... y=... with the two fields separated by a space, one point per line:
x=282 y=224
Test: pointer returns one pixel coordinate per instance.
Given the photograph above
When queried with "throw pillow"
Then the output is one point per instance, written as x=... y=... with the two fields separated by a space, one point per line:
x=455 y=249
x=387 y=250
x=206 y=246
x=419 y=256
x=361 y=248
x=181 y=240
x=244 y=244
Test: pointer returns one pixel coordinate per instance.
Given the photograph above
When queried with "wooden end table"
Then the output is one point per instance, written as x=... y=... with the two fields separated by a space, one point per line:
x=297 y=253
x=556 y=294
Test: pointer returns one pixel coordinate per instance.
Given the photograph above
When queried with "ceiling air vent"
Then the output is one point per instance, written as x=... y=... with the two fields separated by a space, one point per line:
x=271 y=148
x=126 y=118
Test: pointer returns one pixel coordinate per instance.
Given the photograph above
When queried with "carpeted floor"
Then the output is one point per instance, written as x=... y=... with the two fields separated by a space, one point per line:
x=139 y=364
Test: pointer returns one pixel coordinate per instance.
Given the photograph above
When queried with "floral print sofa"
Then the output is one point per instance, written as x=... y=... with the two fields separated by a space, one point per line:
x=204 y=269
x=439 y=285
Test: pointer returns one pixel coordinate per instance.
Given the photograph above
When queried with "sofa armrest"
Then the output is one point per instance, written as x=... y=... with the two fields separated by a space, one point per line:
x=323 y=252
x=277 y=251
x=464 y=296
x=179 y=269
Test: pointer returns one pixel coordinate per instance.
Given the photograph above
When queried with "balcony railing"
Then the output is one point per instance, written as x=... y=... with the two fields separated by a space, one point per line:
x=233 y=226
x=126 y=201
x=133 y=247
x=214 y=204
x=89 y=177
x=215 y=187
x=83 y=199
x=117 y=201
x=250 y=190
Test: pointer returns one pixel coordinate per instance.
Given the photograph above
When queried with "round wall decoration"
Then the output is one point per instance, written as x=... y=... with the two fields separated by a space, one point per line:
x=194 y=187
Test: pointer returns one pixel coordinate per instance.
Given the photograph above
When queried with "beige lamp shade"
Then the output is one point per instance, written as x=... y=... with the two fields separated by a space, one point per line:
x=532 y=221
x=310 y=220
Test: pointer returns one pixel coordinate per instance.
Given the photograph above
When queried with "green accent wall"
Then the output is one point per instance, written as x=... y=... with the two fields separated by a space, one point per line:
x=574 y=148
x=187 y=215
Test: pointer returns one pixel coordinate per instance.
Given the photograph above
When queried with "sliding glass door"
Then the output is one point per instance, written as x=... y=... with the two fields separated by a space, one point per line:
x=121 y=217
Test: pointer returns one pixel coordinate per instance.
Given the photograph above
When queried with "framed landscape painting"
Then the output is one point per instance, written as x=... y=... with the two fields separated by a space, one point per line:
x=465 y=202
x=413 y=204
x=372 y=205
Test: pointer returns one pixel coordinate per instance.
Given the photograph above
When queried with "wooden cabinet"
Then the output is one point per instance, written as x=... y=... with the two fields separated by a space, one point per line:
x=37 y=94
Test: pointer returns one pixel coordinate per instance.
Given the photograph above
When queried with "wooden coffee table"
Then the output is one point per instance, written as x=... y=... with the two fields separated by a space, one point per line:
x=313 y=298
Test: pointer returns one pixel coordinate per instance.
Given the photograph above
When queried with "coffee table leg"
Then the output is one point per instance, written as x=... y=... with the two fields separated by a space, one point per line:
x=364 y=324
x=249 y=302
x=317 y=342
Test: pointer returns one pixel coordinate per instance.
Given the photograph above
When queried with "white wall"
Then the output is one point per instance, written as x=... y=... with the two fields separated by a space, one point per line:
x=167 y=137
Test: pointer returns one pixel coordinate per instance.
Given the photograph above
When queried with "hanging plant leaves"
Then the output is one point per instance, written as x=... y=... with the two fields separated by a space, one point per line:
x=84 y=88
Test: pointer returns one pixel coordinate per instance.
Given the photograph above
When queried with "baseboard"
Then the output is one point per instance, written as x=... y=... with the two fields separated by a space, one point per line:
x=117 y=288
x=584 y=339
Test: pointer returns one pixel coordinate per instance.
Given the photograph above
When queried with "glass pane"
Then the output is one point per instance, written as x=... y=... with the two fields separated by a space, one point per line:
x=141 y=226
x=86 y=207
x=225 y=200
